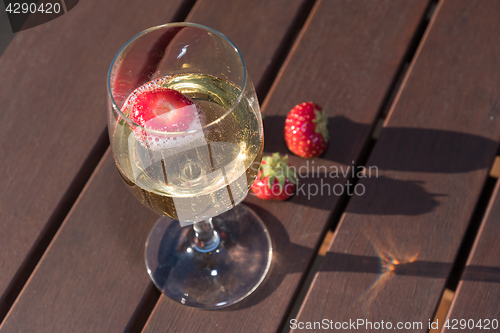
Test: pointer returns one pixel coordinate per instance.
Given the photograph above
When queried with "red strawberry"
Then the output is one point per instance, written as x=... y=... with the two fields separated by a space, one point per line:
x=162 y=109
x=275 y=179
x=306 y=130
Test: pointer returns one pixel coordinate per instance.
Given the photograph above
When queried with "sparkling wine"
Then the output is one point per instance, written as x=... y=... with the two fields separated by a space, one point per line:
x=199 y=173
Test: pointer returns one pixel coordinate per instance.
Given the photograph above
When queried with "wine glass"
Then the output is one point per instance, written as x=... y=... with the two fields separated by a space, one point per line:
x=187 y=139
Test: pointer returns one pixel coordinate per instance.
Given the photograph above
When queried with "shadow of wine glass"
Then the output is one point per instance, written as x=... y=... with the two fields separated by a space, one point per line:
x=290 y=258
x=405 y=197
x=405 y=148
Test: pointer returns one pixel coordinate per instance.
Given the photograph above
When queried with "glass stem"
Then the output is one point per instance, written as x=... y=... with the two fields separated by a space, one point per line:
x=206 y=239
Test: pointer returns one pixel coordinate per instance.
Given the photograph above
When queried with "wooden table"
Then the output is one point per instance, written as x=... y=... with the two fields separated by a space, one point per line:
x=411 y=88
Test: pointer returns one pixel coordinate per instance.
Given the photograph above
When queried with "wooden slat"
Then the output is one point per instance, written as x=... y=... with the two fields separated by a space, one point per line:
x=478 y=293
x=53 y=97
x=248 y=24
x=347 y=67
x=395 y=245
x=93 y=276
x=6 y=34
x=78 y=286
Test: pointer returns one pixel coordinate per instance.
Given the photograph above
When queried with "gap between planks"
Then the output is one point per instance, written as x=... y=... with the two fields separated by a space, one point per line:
x=318 y=260
x=495 y=168
x=442 y=310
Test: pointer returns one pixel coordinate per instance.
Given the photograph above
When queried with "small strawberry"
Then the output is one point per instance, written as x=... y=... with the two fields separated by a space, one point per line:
x=306 y=130
x=162 y=109
x=276 y=180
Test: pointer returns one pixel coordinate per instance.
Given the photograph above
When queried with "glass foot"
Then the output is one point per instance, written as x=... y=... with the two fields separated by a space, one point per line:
x=214 y=279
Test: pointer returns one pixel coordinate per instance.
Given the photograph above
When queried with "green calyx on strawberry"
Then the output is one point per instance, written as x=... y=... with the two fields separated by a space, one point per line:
x=276 y=180
x=164 y=110
x=306 y=130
